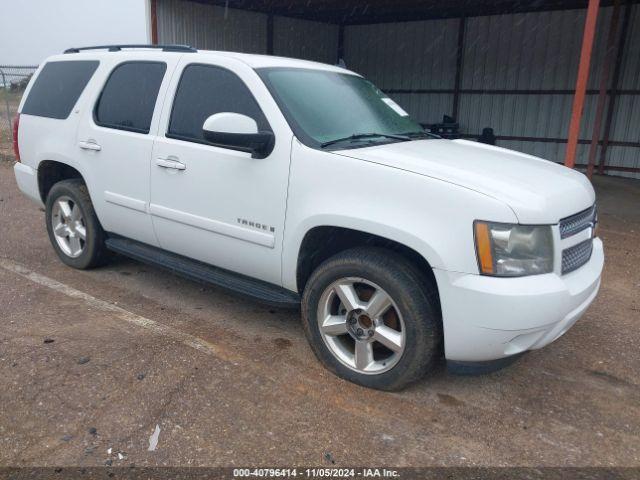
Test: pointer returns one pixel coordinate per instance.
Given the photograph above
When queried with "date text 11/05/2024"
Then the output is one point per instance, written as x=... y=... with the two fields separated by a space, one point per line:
x=316 y=472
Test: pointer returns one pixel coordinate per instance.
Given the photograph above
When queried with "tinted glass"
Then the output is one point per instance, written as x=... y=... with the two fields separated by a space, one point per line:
x=205 y=90
x=58 y=88
x=323 y=106
x=129 y=96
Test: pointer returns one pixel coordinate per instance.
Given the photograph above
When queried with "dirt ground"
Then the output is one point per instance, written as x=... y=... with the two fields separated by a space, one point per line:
x=92 y=361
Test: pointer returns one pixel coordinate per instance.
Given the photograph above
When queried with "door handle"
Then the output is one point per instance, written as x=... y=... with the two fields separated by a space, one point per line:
x=90 y=145
x=170 y=162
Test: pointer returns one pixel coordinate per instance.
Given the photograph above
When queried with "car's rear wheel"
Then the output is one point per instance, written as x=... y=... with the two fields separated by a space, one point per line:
x=372 y=318
x=74 y=230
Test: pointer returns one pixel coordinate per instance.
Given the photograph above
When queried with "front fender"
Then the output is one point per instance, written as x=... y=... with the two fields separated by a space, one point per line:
x=390 y=232
x=431 y=216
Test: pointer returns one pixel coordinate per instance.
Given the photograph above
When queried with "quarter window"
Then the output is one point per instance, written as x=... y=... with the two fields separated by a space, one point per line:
x=58 y=88
x=129 y=96
x=205 y=90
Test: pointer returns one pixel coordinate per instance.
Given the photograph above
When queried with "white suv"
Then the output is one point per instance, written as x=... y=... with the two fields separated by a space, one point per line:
x=300 y=183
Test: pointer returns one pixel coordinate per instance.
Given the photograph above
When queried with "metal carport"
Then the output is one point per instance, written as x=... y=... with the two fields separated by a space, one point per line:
x=527 y=69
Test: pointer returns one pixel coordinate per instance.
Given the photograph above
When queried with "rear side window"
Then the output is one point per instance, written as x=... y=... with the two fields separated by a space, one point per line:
x=205 y=90
x=129 y=96
x=58 y=88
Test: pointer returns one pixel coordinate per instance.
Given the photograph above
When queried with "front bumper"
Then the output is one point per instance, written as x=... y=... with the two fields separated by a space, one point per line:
x=487 y=318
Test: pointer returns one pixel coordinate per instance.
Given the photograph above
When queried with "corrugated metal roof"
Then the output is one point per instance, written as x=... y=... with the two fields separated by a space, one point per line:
x=372 y=11
x=412 y=55
x=211 y=27
x=529 y=51
x=305 y=39
x=630 y=75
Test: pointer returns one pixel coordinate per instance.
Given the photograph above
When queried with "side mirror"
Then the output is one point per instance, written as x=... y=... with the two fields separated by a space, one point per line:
x=238 y=132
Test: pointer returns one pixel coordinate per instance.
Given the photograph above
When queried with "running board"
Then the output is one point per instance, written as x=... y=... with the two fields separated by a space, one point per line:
x=194 y=270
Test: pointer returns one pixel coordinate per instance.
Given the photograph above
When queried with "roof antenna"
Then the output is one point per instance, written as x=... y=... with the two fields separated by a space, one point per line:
x=341 y=63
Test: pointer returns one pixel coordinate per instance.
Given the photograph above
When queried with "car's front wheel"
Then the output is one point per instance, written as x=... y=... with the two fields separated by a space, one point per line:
x=372 y=318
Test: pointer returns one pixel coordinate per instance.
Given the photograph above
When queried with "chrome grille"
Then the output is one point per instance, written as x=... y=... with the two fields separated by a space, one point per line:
x=576 y=256
x=578 y=222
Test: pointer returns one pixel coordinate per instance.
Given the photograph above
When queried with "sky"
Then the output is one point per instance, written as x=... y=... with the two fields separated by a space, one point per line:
x=31 y=30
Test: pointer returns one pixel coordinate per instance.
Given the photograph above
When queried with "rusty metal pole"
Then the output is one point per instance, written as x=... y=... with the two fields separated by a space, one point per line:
x=154 y=22
x=581 y=83
x=604 y=80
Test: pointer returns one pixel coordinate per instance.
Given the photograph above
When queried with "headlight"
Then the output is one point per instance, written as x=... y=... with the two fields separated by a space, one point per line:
x=507 y=250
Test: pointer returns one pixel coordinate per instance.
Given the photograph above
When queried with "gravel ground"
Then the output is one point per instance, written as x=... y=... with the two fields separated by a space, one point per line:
x=93 y=362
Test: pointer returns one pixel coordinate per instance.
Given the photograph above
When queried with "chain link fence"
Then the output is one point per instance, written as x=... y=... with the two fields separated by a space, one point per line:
x=13 y=81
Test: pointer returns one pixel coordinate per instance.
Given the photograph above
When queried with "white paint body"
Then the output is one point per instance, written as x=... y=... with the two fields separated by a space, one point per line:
x=230 y=123
x=424 y=194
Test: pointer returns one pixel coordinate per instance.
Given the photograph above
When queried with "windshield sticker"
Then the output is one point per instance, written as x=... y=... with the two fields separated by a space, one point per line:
x=397 y=108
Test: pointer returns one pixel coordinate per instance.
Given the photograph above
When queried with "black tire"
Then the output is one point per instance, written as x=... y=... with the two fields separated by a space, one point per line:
x=414 y=295
x=94 y=251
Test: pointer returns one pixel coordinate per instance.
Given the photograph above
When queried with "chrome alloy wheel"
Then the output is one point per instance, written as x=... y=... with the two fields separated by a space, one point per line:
x=68 y=226
x=361 y=325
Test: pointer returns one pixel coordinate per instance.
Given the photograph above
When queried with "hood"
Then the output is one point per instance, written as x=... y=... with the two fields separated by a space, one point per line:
x=538 y=191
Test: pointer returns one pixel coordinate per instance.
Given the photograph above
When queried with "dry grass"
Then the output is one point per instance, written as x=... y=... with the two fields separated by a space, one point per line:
x=8 y=101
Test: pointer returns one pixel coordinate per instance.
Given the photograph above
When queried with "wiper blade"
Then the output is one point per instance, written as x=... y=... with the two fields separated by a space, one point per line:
x=423 y=134
x=362 y=136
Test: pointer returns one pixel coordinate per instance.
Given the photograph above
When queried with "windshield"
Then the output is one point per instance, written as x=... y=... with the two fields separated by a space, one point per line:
x=337 y=110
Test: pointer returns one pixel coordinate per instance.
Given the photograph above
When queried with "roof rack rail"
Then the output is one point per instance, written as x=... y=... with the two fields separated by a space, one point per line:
x=117 y=48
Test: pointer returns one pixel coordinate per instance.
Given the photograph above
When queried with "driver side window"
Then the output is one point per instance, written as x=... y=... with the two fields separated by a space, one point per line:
x=205 y=90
